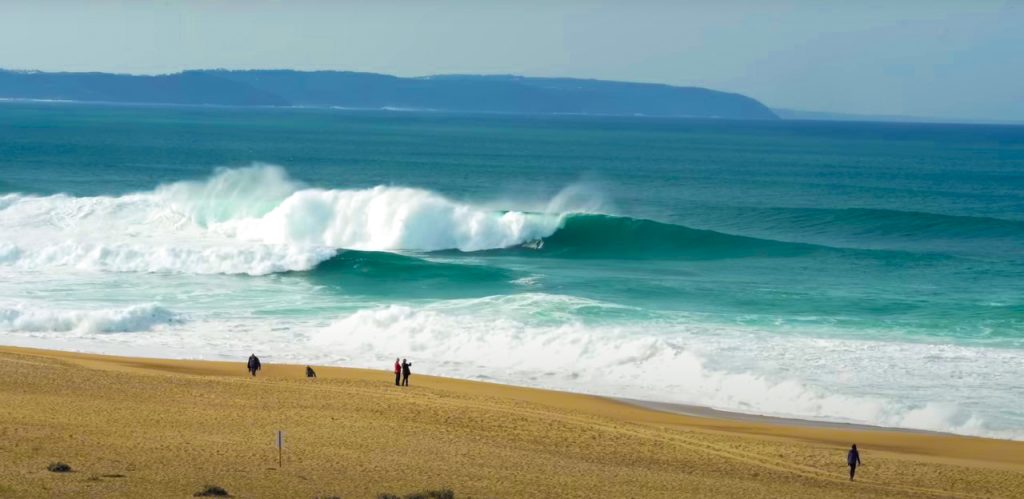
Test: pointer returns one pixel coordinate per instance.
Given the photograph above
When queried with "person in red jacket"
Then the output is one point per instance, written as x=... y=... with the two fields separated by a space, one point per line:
x=398 y=373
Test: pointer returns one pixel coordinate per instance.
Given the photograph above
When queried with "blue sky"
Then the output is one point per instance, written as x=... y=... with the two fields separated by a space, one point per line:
x=934 y=58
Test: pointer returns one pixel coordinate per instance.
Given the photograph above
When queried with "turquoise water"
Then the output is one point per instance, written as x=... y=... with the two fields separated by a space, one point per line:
x=856 y=272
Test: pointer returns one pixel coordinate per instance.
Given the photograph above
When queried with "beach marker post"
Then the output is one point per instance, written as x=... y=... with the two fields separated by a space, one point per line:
x=280 y=447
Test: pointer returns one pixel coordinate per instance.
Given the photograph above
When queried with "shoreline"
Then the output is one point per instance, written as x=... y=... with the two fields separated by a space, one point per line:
x=692 y=412
x=167 y=427
x=700 y=411
x=678 y=408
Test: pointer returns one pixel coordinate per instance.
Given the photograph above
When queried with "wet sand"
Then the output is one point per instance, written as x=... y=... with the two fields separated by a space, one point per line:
x=707 y=412
x=133 y=427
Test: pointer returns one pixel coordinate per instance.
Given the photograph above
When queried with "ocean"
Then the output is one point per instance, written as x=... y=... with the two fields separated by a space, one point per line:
x=853 y=272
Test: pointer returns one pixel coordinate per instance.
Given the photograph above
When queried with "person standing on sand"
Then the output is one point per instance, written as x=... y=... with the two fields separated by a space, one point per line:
x=254 y=364
x=398 y=373
x=406 y=372
x=853 y=460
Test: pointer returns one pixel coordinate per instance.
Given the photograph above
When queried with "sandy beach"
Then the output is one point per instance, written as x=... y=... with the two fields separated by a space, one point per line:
x=133 y=427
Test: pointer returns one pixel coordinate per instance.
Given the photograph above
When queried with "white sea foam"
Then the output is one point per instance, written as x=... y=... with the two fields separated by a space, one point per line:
x=125 y=257
x=134 y=318
x=496 y=339
x=252 y=220
x=9 y=253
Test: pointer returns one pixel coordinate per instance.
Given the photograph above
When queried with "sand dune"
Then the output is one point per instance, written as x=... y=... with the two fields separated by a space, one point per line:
x=134 y=427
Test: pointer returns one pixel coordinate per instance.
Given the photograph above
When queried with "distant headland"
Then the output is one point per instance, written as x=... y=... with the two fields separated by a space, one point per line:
x=346 y=89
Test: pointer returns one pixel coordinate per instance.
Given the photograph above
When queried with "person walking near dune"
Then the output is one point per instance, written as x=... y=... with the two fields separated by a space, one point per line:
x=853 y=460
x=406 y=372
x=398 y=373
x=254 y=364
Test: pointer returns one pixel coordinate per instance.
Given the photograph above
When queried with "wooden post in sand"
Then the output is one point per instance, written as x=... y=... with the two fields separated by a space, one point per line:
x=280 y=447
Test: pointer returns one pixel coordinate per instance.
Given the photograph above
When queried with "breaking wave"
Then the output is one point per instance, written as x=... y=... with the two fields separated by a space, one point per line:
x=252 y=220
x=258 y=221
x=112 y=320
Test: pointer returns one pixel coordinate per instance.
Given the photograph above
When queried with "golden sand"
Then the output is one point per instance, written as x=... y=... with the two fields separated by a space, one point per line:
x=134 y=427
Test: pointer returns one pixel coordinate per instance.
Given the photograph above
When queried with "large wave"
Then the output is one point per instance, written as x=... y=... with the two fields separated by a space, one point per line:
x=258 y=221
x=252 y=220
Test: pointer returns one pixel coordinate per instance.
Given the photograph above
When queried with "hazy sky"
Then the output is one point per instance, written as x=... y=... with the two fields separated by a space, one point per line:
x=950 y=59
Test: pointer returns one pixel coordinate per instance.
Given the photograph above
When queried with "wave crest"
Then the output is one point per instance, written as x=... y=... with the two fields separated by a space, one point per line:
x=388 y=218
x=252 y=220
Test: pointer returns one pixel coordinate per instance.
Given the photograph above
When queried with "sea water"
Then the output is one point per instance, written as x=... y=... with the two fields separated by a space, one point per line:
x=853 y=272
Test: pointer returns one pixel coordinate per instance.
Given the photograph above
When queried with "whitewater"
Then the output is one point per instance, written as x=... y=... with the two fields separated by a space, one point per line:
x=266 y=240
x=231 y=224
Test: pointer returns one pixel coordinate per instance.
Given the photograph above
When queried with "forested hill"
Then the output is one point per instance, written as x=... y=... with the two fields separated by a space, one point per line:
x=452 y=93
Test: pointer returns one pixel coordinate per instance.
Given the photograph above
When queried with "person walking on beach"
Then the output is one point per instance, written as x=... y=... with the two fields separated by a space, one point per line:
x=254 y=364
x=406 y=372
x=853 y=460
x=398 y=373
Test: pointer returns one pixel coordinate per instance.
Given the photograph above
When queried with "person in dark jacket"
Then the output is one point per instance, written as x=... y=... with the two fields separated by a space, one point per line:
x=853 y=460
x=310 y=373
x=406 y=372
x=398 y=373
x=254 y=364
